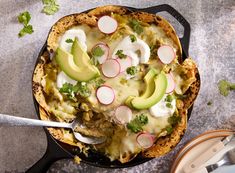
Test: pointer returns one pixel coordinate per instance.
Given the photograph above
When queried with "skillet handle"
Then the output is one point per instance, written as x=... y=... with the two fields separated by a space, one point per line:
x=53 y=153
x=186 y=37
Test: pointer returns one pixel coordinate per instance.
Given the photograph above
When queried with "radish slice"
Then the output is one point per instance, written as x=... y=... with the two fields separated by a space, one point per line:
x=105 y=48
x=107 y=24
x=105 y=95
x=145 y=140
x=124 y=63
x=111 y=68
x=166 y=54
x=123 y=114
x=170 y=83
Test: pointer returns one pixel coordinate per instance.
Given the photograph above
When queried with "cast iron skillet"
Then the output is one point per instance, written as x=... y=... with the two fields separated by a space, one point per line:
x=57 y=150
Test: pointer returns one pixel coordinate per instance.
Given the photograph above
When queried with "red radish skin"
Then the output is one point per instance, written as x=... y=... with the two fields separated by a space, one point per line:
x=105 y=95
x=123 y=114
x=124 y=63
x=111 y=68
x=106 y=49
x=166 y=54
x=107 y=25
x=145 y=140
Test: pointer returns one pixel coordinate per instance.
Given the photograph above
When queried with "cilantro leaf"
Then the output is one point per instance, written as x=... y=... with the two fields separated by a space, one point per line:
x=136 y=26
x=24 y=18
x=133 y=38
x=132 y=70
x=225 y=86
x=174 y=119
x=26 y=30
x=80 y=88
x=169 y=129
x=120 y=54
x=50 y=7
x=97 y=51
x=69 y=40
x=99 y=82
x=83 y=89
x=136 y=124
x=68 y=89
x=169 y=98
x=169 y=105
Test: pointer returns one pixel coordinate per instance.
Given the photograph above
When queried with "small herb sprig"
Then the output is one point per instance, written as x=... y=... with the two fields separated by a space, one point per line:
x=137 y=123
x=136 y=26
x=24 y=18
x=80 y=88
x=225 y=87
x=50 y=7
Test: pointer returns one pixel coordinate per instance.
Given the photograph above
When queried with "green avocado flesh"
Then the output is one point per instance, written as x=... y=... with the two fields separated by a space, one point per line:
x=128 y=101
x=79 y=73
x=160 y=85
x=149 y=83
x=80 y=57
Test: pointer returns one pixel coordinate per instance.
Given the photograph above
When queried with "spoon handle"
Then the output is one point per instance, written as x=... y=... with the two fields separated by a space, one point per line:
x=20 y=121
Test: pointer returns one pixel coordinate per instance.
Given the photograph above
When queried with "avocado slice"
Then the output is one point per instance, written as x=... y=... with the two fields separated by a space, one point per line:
x=160 y=85
x=80 y=73
x=128 y=101
x=80 y=56
x=149 y=83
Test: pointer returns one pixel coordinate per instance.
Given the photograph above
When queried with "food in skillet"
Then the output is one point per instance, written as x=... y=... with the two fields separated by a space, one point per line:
x=122 y=74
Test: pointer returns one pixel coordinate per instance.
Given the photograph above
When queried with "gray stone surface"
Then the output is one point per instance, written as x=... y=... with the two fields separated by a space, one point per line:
x=212 y=46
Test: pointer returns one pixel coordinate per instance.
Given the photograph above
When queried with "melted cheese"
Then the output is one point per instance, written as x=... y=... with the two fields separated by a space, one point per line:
x=123 y=140
x=122 y=88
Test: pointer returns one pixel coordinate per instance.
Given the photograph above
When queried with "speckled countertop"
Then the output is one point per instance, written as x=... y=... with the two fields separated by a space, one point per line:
x=212 y=46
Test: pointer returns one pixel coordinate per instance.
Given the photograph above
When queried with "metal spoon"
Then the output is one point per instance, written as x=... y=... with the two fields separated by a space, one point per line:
x=20 y=121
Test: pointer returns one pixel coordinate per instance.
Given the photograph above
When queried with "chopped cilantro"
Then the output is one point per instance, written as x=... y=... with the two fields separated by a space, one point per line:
x=174 y=119
x=97 y=51
x=120 y=54
x=24 y=18
x=136 y=26
x=26 y=30
x=71 y=90
x=83 y=89
x=97 y=82
x=209 y=103
x=50 y=7
x=169 y=105
x=136 y=124
x=169 y=98
x=69 y=40
x=169 y=129
x=132 y=70
x=133 y=38
x=225 y=86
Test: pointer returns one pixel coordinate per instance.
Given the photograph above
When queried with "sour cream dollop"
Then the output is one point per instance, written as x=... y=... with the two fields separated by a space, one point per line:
x=71 y=34
x=160 y=109
x=130 y=48
x=62 y=78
